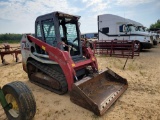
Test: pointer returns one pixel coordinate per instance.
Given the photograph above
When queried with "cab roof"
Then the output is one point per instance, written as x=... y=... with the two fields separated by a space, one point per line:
x=59 y=14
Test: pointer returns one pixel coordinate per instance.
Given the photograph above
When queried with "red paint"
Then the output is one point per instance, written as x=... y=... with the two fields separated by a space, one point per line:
x=64 y=59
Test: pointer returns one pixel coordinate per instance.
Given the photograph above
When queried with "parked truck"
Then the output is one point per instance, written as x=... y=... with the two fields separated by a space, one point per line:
x=141 y=28
x=113 y=27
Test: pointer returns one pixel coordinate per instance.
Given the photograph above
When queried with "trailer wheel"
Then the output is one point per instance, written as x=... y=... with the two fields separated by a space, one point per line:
x=22 y=100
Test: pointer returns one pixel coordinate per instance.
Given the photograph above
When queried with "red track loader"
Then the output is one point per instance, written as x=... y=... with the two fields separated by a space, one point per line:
x=55 y=59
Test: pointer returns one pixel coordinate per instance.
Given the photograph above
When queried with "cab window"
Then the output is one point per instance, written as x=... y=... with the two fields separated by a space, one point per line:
x=49 y=32
x=39 y=31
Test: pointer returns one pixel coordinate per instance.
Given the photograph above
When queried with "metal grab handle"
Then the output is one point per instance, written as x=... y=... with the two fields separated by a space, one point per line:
x=62 y=43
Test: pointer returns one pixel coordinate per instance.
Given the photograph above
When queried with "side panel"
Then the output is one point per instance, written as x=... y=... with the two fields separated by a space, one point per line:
x=25 y=51
x=54 y=54
x=112 y=23
x=61 y=57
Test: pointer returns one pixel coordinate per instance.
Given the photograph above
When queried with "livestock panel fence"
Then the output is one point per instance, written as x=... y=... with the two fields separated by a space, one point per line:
x=117 y=48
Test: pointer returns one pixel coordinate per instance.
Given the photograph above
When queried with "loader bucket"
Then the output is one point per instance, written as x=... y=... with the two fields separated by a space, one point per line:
x=98 y=93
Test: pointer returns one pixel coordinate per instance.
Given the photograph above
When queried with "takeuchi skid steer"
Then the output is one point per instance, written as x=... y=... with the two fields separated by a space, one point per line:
x=55 y=59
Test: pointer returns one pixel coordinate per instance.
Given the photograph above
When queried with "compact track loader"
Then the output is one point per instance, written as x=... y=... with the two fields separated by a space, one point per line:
x=55 y=59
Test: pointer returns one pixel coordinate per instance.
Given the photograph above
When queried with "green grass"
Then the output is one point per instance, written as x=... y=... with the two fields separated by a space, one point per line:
x=9 y=41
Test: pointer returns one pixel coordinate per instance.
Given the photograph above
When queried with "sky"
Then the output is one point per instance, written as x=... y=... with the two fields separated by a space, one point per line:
x=18 y=16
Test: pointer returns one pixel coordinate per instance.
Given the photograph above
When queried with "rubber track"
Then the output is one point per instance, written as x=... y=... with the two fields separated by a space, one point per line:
x=59 y=76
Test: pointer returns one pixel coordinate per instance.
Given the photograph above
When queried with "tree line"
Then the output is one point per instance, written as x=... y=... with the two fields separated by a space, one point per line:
x=10 y=36
x=156 y=25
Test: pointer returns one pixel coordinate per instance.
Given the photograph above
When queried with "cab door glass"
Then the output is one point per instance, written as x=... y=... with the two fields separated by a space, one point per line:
x=61 y=31
x=49 y=32
x=39 y=35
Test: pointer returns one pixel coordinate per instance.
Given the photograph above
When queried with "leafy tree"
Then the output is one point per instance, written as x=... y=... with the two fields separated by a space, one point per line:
x=155 y=25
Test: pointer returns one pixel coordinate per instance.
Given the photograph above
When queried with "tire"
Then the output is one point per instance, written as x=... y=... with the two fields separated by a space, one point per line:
x=22 y=100
x=141 y=47
x=154 y=42
x=137 y=46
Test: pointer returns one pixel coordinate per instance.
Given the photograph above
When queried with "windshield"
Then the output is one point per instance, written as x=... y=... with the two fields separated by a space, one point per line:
x=131 y=28
x=69 y=34
x=145 y=29
x=140 y=28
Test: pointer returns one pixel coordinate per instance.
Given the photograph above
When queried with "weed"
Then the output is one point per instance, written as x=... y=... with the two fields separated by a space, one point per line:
x=131 y=67
x=95 y=117
x=142 y=73
x=49 y=114
x=57 y=102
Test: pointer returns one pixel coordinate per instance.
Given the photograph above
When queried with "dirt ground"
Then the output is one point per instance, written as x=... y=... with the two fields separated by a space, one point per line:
x=141 y=101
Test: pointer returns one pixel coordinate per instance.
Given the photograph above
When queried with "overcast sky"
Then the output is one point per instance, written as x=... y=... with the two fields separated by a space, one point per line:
x=18 y=16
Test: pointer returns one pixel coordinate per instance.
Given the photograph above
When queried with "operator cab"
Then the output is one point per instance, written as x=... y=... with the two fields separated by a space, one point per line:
x=59 y=30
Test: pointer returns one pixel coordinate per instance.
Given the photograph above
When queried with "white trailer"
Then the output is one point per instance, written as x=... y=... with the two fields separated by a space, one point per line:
x=113 y=27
